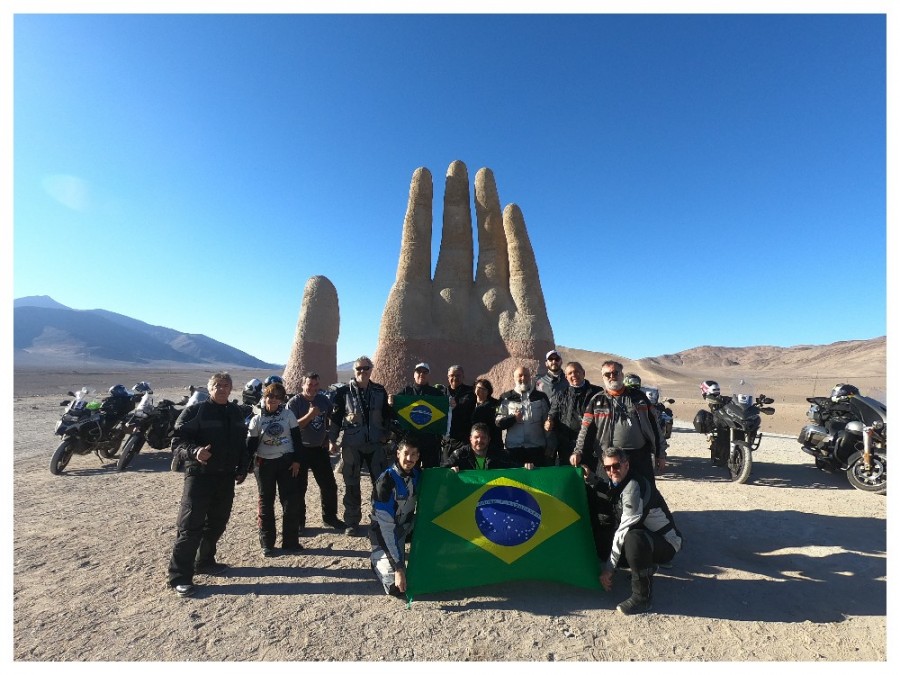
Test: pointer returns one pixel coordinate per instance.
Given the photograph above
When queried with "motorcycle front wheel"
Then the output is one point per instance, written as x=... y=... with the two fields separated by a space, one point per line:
x=740 y=462
x=130 y=450
x=62 y=456
x=874 y=481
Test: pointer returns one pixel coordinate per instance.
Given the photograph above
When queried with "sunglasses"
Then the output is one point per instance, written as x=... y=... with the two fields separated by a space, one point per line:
x=554 y=358
x=362 y=369
x=611 y=374
x=612 y=467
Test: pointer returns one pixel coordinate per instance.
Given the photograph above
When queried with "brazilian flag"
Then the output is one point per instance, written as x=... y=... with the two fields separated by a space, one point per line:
x=428 y=414
x=484 y=527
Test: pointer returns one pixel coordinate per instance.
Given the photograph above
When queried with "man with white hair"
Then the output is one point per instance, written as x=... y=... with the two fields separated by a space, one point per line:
x=359 y=427
x=521 y=416
x=620 y=417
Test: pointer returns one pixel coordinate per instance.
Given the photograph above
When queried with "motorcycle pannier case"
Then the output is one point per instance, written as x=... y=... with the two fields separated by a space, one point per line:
x=813 y=435
x=703 y=422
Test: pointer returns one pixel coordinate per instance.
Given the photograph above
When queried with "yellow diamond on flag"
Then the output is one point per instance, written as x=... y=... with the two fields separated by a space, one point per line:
x=507 y=518
x=420 y=413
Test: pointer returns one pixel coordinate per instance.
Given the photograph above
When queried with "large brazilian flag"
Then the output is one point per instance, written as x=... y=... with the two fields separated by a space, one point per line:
x=427 y=414
x=484 y=527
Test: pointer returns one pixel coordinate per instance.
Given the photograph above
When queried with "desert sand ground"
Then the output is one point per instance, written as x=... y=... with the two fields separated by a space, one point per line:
x=791 y=566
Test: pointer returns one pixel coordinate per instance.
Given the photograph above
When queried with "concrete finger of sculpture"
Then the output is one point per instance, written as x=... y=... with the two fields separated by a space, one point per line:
x=489 y=325
x=315 y=341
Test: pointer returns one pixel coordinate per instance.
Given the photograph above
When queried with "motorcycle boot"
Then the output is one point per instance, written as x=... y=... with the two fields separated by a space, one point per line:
x=641 y=593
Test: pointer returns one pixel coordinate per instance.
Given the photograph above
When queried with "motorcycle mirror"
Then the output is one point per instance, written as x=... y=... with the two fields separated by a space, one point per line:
x=768 y=400
x=767 y=411
x=70 y=393
x=670 y=400
x=64 y=402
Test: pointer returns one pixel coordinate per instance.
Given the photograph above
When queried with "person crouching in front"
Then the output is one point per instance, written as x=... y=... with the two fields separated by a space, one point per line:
x=393 y=508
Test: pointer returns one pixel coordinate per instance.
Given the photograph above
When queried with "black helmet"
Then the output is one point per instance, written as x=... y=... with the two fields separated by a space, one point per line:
x=252 y=392
x=118 y=390
x=709 y=388
x=273 y=378
x=632 y=381
x=842 y=391
x=142 y=387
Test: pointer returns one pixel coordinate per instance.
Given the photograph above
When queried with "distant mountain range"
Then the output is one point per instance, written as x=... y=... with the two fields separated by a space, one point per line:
x=46 y=332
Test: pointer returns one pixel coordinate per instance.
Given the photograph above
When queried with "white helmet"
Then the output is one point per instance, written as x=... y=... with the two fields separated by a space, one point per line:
x=652 y=393
x=710 y=388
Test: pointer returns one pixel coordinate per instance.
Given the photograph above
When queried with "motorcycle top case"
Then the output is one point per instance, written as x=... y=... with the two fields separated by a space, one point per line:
x=703 y=422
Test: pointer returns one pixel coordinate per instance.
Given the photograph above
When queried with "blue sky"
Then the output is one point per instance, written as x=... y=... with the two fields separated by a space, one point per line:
x=686 y=179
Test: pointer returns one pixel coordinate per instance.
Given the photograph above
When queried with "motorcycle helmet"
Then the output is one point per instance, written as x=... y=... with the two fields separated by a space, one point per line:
x=142 y=387
x=710 y=388
x=252 y=392
x=744 y=399
x=842 y=391
x=118 y=390
x=273 y=378
x=652 y=393
x=632 y=381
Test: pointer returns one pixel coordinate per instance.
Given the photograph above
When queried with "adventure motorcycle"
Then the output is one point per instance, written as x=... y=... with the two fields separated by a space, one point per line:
x=849 y=434
x=91 y=426
x=665 y=415
x=732 y=427
x=153 y=424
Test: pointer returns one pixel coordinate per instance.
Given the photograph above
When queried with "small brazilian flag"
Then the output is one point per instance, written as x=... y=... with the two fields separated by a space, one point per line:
x=484 y=527
x=428 y=414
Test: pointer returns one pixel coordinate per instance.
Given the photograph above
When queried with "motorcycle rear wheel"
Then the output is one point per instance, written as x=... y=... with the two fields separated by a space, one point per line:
x=130 y=450
x=874 y=481
x=62 y=455
x=740 y=462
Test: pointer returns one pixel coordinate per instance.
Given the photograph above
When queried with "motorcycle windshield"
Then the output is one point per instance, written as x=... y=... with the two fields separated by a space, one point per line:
x=869 y=410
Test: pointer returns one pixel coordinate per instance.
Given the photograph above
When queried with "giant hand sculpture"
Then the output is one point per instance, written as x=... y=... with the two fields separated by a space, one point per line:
x=488 y=326
x=315 y=341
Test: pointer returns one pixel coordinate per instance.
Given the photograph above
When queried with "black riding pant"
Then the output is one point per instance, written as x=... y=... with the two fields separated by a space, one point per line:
x=318 y=461
x=275 y=475
x=206 y=501
x=642 y=548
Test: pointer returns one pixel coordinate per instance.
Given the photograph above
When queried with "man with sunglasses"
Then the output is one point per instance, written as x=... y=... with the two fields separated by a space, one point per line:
x=360 y=421
x=620 y=417
x=642 y=533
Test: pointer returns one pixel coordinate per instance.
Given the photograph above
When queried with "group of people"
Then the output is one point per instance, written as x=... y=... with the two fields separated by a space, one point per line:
x=558 y=418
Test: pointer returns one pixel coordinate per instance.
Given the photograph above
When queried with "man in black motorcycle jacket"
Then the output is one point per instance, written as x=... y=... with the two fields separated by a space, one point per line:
x=620 y=417
x=210 y=438
x=567 y=410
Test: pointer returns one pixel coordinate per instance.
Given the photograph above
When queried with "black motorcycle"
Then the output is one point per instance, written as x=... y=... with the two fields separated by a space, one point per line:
x=153 y=424
x=849 y=435
x=91 y=426
x=732 y=427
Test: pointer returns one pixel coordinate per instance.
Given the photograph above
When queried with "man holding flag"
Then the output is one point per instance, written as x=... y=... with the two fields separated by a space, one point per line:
x=422 y=411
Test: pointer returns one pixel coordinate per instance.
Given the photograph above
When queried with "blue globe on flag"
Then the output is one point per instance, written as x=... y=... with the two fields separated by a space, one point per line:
x=421 y=415
x=507 y=516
